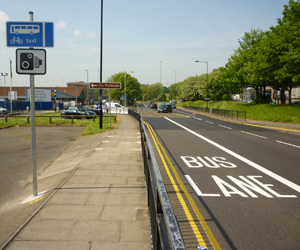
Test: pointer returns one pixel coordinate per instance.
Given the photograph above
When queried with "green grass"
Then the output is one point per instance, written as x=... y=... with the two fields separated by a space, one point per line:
x=91 y=126
x=259 y=112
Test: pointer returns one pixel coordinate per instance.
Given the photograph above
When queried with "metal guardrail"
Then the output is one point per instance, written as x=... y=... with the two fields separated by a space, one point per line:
x=228 y=114
x=164 y=228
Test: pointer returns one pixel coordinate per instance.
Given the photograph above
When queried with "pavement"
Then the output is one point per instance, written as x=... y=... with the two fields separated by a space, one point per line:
x=102 y=202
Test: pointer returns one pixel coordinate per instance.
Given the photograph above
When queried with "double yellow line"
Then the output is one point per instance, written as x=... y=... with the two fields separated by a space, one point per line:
x=165 y=159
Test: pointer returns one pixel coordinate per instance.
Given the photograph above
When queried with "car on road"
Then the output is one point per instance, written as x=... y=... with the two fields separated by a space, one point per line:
x=79 y=111
x=165 y=108
x=3 y=111
x=153 y=105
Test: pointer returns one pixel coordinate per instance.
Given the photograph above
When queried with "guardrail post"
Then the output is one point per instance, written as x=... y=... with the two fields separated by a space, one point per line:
x=72 y=119
x=50 y=119
x=28 y=119
x=6 y=118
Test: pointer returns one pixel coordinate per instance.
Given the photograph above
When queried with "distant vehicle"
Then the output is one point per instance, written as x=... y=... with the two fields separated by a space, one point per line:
x=3 y=111
x=115 y=105
x=77 y=111
x=296 y=102
x=165 y=108
x=173 y=106
x=97 y=111
x=153 y=105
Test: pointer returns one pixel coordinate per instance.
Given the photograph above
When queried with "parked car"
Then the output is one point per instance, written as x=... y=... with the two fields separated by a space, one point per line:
x=296 y=102
x=173 y=106
x=97 y=111
x=153 y=105
x=3 y=111
x=165 y=108
x=77 y=111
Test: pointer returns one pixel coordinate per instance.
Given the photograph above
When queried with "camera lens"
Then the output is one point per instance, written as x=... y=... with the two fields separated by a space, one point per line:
x=29 y=55
x=25 y=65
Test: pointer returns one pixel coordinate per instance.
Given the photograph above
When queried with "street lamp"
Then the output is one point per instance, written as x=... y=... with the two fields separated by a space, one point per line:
x=206 y=99
x=87 y=85
x=4 y=75
x=125 y=87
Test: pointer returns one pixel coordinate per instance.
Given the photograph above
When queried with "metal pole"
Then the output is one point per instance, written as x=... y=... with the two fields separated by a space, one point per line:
x=33 y=131
x=207 y=85
x=160 y=72
x=87 y=85
x=125 y=88
x=101 y=52
x=2 y=74
x=109 y=112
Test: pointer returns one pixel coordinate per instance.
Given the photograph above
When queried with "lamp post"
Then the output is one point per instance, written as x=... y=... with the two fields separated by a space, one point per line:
x=160 y=72
x=87 y=85
x=206 y=99
x=125 y=87
x=4 y=75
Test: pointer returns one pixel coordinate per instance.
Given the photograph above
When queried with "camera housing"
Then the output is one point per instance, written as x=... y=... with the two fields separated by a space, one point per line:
x=29 y=61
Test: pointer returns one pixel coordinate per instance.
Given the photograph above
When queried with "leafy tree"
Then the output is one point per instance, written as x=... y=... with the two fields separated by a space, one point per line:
x=133 y=87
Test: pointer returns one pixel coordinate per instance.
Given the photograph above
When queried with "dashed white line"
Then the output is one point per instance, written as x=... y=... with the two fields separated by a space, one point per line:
x=209 y=122
x=288 y=144
x=224 y=127
x=199 y=119
x=254 y=135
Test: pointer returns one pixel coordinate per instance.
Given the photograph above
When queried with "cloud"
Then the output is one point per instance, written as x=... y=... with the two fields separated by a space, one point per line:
x=92 y=34
x=77 y=32
x=61 y=25
x=3 y=19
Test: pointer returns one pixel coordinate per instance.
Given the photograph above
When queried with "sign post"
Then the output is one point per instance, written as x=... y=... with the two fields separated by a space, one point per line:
x=31 y=62
x=105 y=85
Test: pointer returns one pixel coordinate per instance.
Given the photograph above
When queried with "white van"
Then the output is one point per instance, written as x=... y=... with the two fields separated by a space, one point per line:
x=114 y=105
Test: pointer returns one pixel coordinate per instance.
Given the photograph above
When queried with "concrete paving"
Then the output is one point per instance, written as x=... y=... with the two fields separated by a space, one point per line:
x=102 y=204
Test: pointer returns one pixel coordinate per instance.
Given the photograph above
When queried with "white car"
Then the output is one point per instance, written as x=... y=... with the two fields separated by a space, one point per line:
x=3 y=111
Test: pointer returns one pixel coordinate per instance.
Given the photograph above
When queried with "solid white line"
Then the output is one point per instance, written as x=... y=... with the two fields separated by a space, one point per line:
x=254 y=135
x=196 y=189
x=288 y=144
x=251 y=163
x=224 y=126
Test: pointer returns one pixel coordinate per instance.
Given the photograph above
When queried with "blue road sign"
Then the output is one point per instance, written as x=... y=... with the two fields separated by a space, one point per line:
x=29 y=34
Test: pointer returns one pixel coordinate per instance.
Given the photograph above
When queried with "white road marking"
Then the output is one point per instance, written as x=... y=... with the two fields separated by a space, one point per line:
x=224 y=126
x=254 y=135
x=251 y=163
x=288 y=144
x=209 y=122
x=199 y=119
x=196 y=189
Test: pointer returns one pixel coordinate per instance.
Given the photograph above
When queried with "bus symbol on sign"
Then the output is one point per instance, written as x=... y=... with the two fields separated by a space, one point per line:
x=24 y=29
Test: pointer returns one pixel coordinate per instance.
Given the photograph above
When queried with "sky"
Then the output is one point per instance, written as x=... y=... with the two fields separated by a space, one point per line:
x=159 y=40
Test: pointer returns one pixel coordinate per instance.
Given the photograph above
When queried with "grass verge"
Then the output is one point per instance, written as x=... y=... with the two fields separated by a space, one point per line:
x=91 y=126
x=259 y=112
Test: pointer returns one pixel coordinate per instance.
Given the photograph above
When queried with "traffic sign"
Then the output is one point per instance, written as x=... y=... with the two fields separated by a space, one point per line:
x=31 y=61
x=29 y=34
x=105 y=85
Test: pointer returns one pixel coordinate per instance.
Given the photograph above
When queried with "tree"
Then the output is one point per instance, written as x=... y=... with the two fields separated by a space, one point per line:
x=133 y=87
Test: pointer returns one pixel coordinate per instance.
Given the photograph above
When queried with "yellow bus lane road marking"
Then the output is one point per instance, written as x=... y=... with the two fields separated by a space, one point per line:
x=193 y=225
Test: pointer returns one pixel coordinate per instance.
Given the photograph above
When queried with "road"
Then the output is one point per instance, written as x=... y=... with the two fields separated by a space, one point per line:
x=244 y=180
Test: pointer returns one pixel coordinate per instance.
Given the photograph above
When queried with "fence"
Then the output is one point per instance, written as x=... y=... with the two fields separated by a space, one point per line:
x=228 y=114
x=19 y=107
x=72 y=117
x=164 y=228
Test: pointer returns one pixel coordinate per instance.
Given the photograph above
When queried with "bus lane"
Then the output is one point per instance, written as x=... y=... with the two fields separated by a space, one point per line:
x=245 y=204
